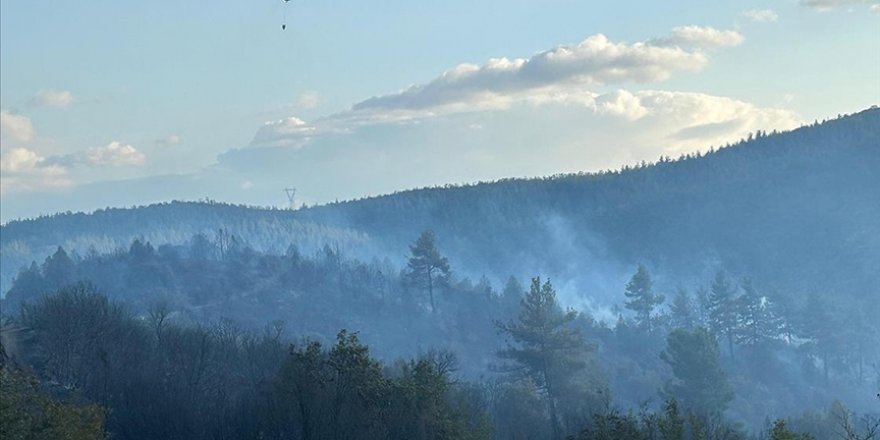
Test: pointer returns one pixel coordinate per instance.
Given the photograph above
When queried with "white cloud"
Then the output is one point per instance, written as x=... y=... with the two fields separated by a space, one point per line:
x=19 y=159
x=290 y=131
x=760 y=15
x=15 y=128
x=561 y=75
x=826 y=5
x=594 y=61
x=577 y=131
x=23 y=170
x=875 y=8
x=701 y=36
x=697 y=120
x=621 y=103
x=53 y=98
x=308 y=100
x=114 y=154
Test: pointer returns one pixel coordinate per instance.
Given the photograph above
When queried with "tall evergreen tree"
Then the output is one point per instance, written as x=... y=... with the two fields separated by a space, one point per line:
x=29 y=283
x=722 y=309
x=510 y=297
x=755 y=320
x=58 y=269
x=546 y=349
x=427 y=269
x=641 y=298
x=681 y=311
x=821 y=324
x=700 y=384
x=701 y=301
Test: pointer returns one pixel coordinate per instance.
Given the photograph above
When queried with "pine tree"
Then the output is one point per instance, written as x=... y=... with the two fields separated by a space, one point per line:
x=755 y=320
x=641 y=298
x=821 y=324
x=700 y=384
x=427 y=268
x=722 y=309
x=511 y=296
x=58 y=270
x=28 y=284
x=701 y=300
x=681 y=311
x=546 y=349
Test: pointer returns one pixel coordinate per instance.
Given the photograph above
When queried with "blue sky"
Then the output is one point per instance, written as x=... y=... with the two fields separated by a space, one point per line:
x=109 y=103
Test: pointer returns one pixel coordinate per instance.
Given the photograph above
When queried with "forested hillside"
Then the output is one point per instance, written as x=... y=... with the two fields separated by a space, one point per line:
x=748 y=208
x=727 y=295
x=797 y=208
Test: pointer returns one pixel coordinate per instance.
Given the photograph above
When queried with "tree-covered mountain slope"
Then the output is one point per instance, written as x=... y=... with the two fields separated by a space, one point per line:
x=797 y=210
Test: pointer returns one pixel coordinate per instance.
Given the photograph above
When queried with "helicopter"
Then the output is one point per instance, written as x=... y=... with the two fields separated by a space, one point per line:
x=284 y=21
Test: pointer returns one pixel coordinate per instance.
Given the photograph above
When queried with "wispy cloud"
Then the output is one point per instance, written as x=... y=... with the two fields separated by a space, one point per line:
x=826 y=5
x=700 y=37
x=53 y=98
x=760 y=15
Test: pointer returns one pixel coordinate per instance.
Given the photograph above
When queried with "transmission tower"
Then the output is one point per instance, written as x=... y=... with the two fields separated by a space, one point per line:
x=291 y=194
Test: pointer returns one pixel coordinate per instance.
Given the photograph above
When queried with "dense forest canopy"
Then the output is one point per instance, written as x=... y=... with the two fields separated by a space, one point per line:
x=724 y=344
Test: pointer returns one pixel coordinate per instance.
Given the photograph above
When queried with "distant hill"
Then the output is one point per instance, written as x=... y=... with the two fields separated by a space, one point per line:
x=797 y=210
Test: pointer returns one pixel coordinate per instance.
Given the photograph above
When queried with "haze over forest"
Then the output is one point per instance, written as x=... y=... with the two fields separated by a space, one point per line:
x=571 y=221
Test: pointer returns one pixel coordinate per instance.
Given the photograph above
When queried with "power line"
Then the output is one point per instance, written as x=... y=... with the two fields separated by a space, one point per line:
x=291 y=195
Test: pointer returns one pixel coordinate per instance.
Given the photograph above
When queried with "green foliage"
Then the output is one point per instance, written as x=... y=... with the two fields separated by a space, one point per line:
x=343 y=393
x=549 y=352
x=164 y=380
x=681 y=311
x=314 y=294
x=780 y=432
x=518 y=410
x=700 y=384
x=670 y=424
x=28 y=413
x=821 y=322
x=426 y=268
x=722 y=306
x=641 y=298
x=757 y=322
